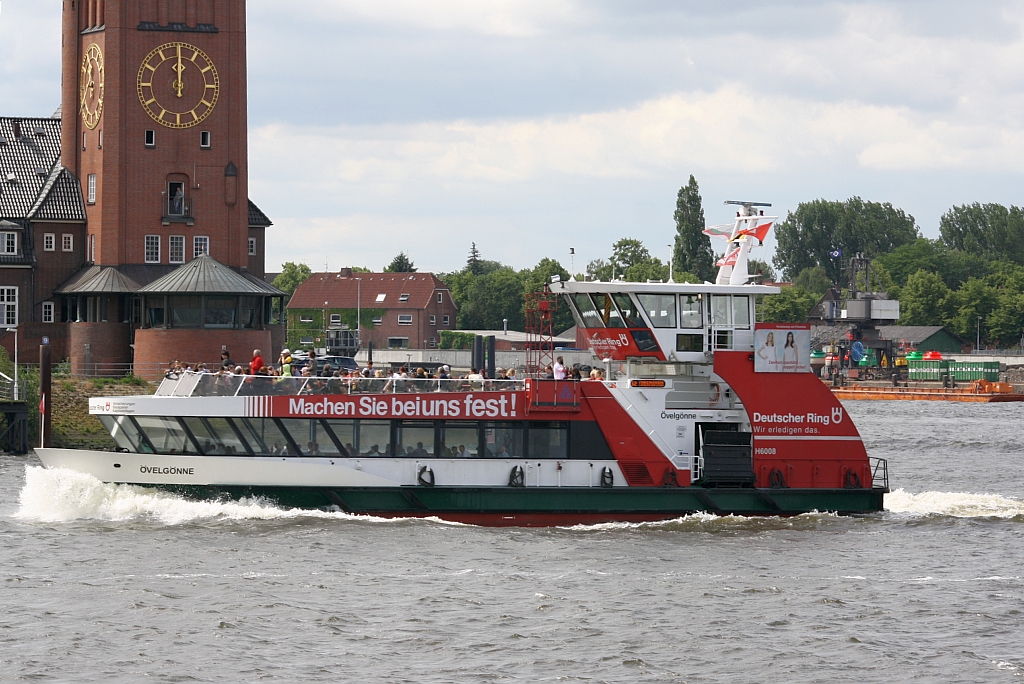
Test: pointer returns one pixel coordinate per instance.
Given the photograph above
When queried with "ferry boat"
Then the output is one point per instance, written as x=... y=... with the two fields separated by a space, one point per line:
x=702 y=410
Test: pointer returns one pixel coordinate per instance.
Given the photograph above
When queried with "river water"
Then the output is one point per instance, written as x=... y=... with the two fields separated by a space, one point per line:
x=107 y=583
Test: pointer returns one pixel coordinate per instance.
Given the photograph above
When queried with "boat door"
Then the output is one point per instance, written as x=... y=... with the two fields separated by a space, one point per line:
x=697 y=471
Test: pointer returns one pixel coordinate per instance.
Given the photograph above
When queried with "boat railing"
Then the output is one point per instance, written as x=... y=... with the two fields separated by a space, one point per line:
x=191 y=384
x=879 y=473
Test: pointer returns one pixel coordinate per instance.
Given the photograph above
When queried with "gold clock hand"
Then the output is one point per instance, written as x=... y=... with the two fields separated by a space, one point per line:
x=179 y=68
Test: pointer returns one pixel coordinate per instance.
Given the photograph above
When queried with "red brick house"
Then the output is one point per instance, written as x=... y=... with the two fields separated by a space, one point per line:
x=396 y=311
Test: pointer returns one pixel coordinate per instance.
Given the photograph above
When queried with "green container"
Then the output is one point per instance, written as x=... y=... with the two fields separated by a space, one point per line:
x=966 y=371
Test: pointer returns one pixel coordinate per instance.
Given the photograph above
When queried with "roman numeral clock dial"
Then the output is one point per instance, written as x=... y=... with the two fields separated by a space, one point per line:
x=178 y=85
x=90 y=86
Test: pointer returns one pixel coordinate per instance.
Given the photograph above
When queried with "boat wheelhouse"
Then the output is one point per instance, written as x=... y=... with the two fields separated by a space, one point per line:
x=702 y=409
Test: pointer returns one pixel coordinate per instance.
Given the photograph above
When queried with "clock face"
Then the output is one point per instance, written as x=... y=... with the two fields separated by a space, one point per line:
x=178 y=85
x=90 y=86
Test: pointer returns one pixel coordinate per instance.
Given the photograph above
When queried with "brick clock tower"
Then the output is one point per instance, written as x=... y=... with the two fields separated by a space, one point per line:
x=154 y=125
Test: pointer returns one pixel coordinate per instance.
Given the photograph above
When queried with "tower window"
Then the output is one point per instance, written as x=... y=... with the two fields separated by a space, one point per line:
x=252 y=246
x=84 y=139
x=101 y=139
x=150 y=138
x=49 y=242
x=176 y=249
x=91 y=191
x=47 y=312
x=204 y=139
x=200 y=245
x=67 y=242
x=152 y=249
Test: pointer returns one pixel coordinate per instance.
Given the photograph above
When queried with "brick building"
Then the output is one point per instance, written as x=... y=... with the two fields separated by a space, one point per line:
x=145 y=169
x=396 y=311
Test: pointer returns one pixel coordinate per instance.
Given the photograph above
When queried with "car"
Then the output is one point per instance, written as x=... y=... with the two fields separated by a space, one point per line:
x=344 y=363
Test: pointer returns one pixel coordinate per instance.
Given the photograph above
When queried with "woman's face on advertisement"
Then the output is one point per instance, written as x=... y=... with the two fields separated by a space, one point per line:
x=770 y=340
x=789 y=339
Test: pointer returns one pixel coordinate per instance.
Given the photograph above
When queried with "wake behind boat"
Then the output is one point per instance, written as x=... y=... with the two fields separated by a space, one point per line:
x=704 y=410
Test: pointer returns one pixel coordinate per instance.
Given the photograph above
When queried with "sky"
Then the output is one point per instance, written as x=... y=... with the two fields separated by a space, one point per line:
x=534 y=126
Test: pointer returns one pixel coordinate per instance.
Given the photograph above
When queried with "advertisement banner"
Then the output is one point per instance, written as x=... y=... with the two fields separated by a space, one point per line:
x=782 y=348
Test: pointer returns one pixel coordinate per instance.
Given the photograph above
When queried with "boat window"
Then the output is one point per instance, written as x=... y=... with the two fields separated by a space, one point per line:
x=217 y=385
x=309 y=436
x=414 y=439
x=186 y=311
x=587 y=441
x=721 y=310
x=374 y=438
x=723 y=339
x=741 y=311
x=645 y=341
x=661 y=309
x=123 y=432
x=588 y=312
x=264 y=436
x=548 y=439
x=165 y=434
x=608 y=311
x=215 y=436
x=461 y=440
x=630 y=315
x=690 y=311
x=345 y=432
x=689 y=343
x=503 y=440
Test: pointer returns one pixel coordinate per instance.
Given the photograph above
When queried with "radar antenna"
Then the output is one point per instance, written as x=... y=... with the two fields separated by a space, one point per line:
x=747 y=205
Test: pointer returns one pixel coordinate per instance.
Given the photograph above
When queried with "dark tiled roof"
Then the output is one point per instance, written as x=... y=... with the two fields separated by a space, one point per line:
x=98 y=280
x=61 y=198
x=257 y=219
x=205 y=274
x=341 y=292
x=912 y=334
x=31 y=157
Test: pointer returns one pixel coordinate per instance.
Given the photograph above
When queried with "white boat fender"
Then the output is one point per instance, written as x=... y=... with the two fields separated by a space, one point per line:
x=607 y=477
x=517 y=478
x=425 y=476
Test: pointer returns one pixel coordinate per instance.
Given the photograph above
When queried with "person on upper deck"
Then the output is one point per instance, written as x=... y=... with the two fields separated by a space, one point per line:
x=312 y=363
x=368 y=371
x=559 y=368
x=286 y=363
x=225 y=360
x=257 y=362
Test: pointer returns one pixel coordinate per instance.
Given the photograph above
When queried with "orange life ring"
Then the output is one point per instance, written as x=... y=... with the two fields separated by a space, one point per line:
x=716 y=393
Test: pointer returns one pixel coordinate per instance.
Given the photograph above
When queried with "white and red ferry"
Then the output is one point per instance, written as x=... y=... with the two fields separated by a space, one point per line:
x=703 y=410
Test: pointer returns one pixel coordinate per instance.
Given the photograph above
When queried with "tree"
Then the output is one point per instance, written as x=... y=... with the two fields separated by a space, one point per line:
x=534 y=279
x=692 y=251
x=811 y=235
x=473 y=262
x=292 y=276
x=755 y=267
x=986 y=230
x=813 y=279
x=628 y=252
x=492 y=297
x=401 y=264
x=975 y=298
x=791 y=305
x=923 y=299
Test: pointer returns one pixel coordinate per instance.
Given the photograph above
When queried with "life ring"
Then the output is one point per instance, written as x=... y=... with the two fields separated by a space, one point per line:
x=517 y=478
x=716 y=394
x=425 y=476
x=852 y=480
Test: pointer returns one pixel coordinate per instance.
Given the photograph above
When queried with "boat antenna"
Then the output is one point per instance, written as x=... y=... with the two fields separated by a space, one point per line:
x=747 y=205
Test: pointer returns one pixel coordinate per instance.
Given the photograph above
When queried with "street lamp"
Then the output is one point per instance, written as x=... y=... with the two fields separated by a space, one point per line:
x=15 y=331
x=977 y=345
x=670 y=256
x=359 y=293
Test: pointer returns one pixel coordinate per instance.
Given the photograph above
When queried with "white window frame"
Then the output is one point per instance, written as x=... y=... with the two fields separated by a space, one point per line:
x=9 y=243
x=446 y=320
x=171 y=246
x=9 y=302
x=252 y=246
x=381 y=297
x=433 y=343
x=90 y=193
x=67 y=242
x=150 y=138
x=49 y=242
x=404 y=319
x=404 y=297
x=47 y=312
x=433 y=321
x=152 y=241
x=205 y=140
x=335 y=319
x=440 y=297
x=378 y=320
x=198 y=240
x=92 y=247
x=405 y=346
x=305 y=318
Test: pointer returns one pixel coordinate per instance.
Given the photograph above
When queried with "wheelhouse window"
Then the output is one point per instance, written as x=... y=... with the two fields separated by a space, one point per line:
x=630 y=315
x=661 y=309
x=588 y=313
x=690 y=314
x=730 y=311
x=152 y=249
x=176 y=249
x=609 y=313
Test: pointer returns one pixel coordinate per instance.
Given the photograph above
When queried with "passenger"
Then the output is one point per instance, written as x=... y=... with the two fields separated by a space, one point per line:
x=368 y=372
x=559 y=368
x=225 y=360
x=420 y=452
x=574 y=373
x=374 y=451
x=549 y=373
x=312 y=364
x=313 y=449
x=462 y=452
x=274 y=450
x=502 y=452
x=257 y=362
x=476 y=380
x=286 y=363
x=408 y=452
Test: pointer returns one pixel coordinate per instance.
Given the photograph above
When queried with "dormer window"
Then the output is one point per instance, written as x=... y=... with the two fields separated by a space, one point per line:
x=8 y=243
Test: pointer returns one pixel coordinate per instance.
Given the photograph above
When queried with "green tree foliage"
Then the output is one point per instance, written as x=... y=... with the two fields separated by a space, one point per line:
x=954 y=266
x=791 y=305
x=401 y=264
x=986 y=230
x=692 y=251
x=923 y=299
x=473 y=265
x=630 y=261
x=975 y=298
x=808 y=235
x=491 y=298
x=814 y=279
x=292 y=276
x=754 y=268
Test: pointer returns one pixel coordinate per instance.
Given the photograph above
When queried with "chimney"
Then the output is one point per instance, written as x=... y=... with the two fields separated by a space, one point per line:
x=17 y=130
x=345 y=272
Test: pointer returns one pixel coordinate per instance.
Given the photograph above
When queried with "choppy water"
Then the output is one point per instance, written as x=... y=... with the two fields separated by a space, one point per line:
x=105 y=583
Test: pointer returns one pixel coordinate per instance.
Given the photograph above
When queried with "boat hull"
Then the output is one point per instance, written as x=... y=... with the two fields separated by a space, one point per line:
x=294 y=484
